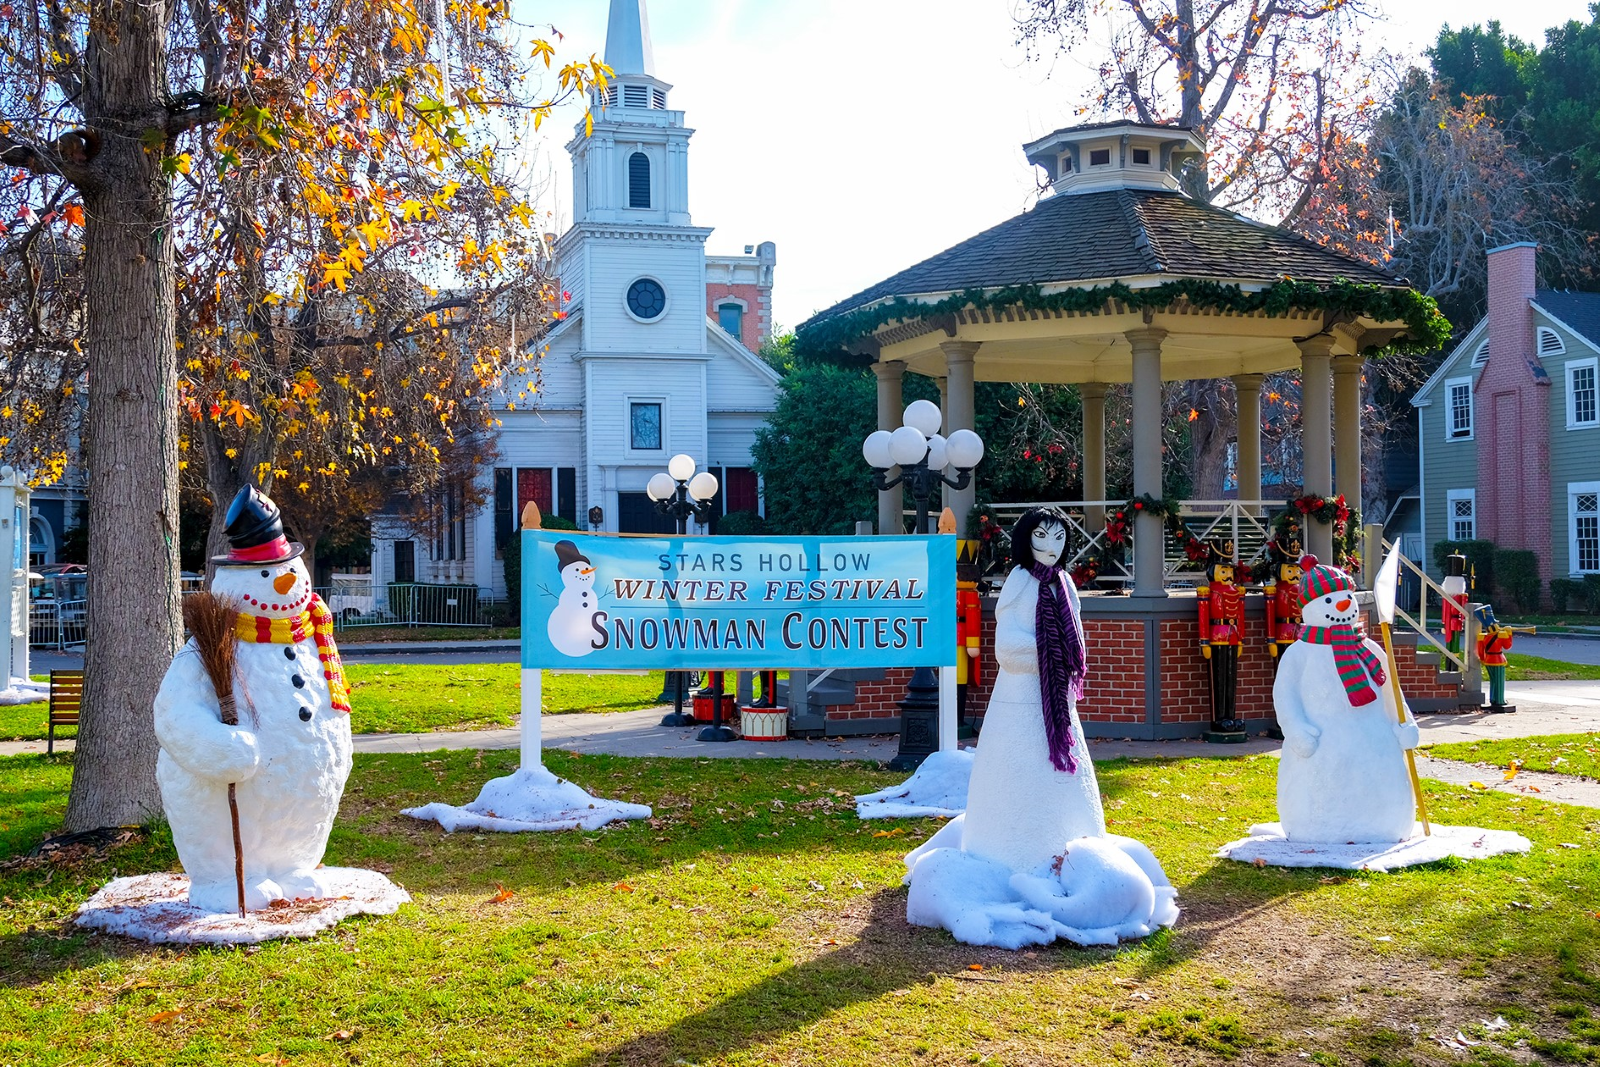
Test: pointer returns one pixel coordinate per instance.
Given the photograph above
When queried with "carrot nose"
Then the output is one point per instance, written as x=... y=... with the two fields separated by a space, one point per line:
x=1343 y=605
x=283 y=583
x=586 y=570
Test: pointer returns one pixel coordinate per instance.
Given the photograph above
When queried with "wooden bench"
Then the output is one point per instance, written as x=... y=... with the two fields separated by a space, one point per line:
x=66 y=701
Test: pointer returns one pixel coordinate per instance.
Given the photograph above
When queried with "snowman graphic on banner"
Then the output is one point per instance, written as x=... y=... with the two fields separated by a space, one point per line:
x=577 y=620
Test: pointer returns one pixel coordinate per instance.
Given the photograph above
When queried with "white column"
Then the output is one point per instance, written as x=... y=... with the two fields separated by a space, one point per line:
x=1347 y=428
x=1093 y=395
x=890 y=507
x=1247 y=393
x=1149 y=537
x=961 y=414
x=532 y=710
x=1316 y=421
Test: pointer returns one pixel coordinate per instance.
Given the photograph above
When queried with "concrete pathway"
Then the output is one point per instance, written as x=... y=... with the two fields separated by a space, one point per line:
x=1543 y=708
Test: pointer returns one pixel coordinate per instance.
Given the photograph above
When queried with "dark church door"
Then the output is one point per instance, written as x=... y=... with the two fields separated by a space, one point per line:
x=636 y=513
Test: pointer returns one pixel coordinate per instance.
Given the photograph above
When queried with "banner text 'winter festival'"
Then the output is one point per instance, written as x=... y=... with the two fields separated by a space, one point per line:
x=653 y=603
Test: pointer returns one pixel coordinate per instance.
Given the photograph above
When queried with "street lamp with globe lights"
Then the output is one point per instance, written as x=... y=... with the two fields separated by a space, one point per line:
x=923 y=455
x=680 y=493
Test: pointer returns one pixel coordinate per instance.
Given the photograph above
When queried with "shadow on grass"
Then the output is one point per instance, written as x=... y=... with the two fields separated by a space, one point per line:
x=887 y=955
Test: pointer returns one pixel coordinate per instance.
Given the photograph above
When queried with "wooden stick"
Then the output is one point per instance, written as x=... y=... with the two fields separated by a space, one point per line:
x=1400 y=711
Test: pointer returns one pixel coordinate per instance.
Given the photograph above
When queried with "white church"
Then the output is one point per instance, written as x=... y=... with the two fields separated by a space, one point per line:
x=655 y=355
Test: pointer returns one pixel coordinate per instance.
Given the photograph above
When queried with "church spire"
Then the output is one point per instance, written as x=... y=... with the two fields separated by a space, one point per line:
x=628 y=39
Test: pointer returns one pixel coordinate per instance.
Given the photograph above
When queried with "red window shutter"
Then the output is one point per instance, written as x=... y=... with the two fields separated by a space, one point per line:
x=533 y=483
x=743 y=490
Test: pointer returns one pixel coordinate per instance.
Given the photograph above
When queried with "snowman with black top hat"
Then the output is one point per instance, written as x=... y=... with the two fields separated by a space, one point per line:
x=287 y=755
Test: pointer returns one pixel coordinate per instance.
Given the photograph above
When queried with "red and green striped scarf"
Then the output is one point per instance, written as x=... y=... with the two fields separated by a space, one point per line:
x=1351 y=657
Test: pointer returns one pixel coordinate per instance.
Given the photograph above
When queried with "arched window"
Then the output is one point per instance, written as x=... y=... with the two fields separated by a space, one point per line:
x=638 y=180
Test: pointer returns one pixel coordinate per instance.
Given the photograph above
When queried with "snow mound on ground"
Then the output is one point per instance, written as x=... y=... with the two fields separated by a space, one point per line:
x=938 y=787
x=23 y=691
x=1099 y=891
x=531 y=799
x=1268 y=844
x=156 y=908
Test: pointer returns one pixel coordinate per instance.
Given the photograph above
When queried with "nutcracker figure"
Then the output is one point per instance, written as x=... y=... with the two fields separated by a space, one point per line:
x=1283 y=598
x=1494 y=641
x=1221 y=604
x=969 y=627
x=1455 y=601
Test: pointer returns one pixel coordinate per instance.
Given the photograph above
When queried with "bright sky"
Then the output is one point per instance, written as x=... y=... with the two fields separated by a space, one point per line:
x=865 y=135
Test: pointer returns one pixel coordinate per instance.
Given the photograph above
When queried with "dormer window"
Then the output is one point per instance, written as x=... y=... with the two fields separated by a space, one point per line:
x=1099 y=157
x=1141 y=157
x=1066 y=163
x=639 y=180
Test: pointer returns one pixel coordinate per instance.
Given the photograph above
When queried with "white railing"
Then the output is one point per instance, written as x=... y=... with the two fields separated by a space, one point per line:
x=1247 y=523
x=1463 y=661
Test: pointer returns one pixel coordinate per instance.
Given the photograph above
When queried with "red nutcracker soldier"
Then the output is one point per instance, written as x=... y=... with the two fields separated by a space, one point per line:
x=1221 y=604
x=1455 y=601
x=969 y=626
x=1283 y=598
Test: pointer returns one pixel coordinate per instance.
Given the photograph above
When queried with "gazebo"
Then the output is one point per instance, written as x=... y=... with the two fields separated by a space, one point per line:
x=1118 y=276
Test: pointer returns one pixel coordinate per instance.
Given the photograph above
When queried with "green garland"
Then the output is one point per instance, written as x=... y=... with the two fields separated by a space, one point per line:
x=1426 y=327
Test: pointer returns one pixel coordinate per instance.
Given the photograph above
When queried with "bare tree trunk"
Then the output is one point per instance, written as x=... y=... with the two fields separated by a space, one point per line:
x=1212 y=426
x=133 y=621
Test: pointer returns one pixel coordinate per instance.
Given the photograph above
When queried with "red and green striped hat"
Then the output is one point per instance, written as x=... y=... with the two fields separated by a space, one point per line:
x=1317 y=580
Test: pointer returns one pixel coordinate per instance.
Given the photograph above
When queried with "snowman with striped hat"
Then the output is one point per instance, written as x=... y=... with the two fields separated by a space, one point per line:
x=1343 y=776
x=290 y=751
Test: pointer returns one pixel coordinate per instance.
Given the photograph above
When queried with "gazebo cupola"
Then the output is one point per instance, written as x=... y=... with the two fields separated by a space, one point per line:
x=1116 y=155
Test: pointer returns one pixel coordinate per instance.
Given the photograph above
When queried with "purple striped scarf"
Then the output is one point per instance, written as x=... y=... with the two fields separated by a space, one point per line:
x=1351 y=657
x=1062 y=661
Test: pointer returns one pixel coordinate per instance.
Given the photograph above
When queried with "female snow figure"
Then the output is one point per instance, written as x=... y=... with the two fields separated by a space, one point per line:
x=1030 y=860
x=290 y=753
x=1342 y=777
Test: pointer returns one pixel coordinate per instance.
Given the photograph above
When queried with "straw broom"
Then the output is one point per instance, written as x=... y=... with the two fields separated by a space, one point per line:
x=211 y=619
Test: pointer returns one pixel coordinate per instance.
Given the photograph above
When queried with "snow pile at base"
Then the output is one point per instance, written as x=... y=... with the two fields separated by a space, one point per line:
x=531 y=799
x=1097 y=891
x=1267 y=844
x=938 y=787
x=23 y=691
x=156 y=908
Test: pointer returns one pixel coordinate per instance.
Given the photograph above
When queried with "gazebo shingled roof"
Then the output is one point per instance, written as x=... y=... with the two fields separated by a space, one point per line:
x=1118 y=234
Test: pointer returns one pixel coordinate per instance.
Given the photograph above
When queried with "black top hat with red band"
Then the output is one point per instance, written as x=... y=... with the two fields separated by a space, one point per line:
x=255 y=532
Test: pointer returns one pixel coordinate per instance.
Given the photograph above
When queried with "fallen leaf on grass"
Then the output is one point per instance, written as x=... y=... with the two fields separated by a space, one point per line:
x=1258 y=862
x=818 y=886
x=340 y=1035
x=1511 y=771
x=623 y=887
x=1498 y=1024
x=1477 y=785
x=166 y=1016
x=974 y=966
x=896 y=832
x=502 y=894
x=1139 y=994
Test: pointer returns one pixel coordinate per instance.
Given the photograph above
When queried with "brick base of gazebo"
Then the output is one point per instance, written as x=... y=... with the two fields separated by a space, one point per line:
x=1147 y=679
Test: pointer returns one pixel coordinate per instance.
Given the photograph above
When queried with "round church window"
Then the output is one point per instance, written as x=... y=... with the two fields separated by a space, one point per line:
x=646 y=299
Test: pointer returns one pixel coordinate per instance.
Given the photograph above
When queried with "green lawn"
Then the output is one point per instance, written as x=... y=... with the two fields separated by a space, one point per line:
x=1537 y=668
x=407 y=697
x=1562 y=753
x=754 y=920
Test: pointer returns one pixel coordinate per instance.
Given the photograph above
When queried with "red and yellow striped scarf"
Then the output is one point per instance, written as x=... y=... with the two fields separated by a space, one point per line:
x=316 y=622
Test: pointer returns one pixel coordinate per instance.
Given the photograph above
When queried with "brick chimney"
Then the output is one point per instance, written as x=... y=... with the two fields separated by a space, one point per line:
x=1511 y=413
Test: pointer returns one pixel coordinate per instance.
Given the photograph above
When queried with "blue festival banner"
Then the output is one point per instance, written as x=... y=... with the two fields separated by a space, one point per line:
x=606 y=603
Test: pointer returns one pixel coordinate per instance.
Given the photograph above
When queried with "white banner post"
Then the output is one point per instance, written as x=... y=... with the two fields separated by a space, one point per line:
x=947 y=708
x=532 y=709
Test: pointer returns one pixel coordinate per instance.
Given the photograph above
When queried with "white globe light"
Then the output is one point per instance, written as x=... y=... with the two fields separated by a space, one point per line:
x=938 y=457
x=908 y=445
x=923 y=415
x=661 y=487
x=965 y=449
x=681 y=467
x=876 y=450
x=703 y=486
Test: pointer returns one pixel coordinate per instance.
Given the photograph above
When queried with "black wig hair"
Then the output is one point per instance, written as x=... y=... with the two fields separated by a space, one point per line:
x=1022 y=532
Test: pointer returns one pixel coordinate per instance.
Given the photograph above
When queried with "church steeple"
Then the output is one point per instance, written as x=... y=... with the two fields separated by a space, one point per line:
x=632 y=60
x=628 y=39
